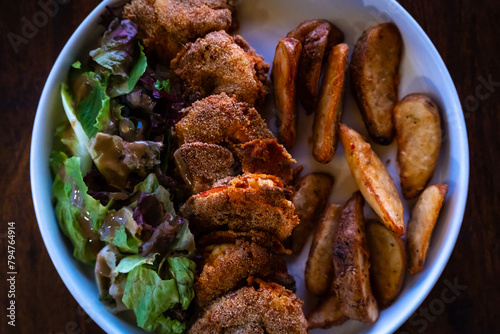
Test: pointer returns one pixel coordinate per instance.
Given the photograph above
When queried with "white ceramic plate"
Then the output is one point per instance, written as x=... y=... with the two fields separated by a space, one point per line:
x=263 y=22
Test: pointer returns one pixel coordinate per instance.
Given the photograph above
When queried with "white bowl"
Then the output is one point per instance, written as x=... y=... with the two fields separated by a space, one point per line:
x=263 y=22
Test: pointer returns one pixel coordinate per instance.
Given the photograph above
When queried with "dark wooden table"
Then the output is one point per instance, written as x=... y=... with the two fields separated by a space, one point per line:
x=465 y=33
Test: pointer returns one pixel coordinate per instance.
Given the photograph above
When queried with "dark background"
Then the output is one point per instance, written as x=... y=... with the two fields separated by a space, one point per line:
x=465 y=32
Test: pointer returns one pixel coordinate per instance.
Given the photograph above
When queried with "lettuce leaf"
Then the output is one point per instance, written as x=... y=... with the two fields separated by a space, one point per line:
x=165 y=325
x=183 y=269
x=127 y=264
x=149 y=296
x=78 y=214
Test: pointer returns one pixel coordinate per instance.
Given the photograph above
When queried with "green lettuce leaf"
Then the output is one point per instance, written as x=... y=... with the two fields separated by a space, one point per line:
x=126 y=242
x=78 y=214
x=183 y=270
x=149 y=296
x=149 y=185
x=165 y=325
x=127 y=264
x=124 y=85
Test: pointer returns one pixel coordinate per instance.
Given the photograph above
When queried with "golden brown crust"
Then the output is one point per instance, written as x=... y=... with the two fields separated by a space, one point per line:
x=329 y=111
x=375 y=78
x=230 y=267
x=275 y=309
x=266 y=156
x=250 y=201
x=166 y=25
x=215 y=64
x=352 y=264
x=201 y=164
x=423 y=219
x=312 y=193
x=220 y=118
x=418 y=131
x=285 y=67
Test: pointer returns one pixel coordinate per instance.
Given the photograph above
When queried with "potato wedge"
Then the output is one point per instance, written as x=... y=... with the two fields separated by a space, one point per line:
x=319 y=272
x=375 y=78
x=423 y=218
x=285 y=66
x=352 y=265
x=309 y=200
x=373 y=180
x=388 y=262
x=329 y=111
x=326 y=314
x=317 y=38
x=418 y=132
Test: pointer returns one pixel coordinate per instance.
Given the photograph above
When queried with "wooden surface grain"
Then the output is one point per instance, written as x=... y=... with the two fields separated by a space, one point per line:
x=465 y=32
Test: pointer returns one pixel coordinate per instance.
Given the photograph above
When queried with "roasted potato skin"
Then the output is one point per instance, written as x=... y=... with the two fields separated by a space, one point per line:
x=329 y=110
x=418 y=132
x=373 y=180
x=375 y=78
x=319 y=272
x=388 y=262
x=423 y=219
x=284 y=73
x=352 y=264
x=309 y=199
x=327 y=313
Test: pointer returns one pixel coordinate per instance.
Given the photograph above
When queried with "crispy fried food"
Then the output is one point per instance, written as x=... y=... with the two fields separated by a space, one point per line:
x=220 y=118
x=166 y=25
x=260 y=238
x=310 y=197
x=418 y=132
x=320 y=272
x=269 y=307
x=201 y=164
x=327 y=313
x=329 y=111
x=285 y=67
x=352 y=264
x=226 y=267
x=250 y=201
x=388 y=262
x=375 y=78
x=218 y=63
x=317 y=38
x=423 y=219
x=373 y=180
x=266 y=156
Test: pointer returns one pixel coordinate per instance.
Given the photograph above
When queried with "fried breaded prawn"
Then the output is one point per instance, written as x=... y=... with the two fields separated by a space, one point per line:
x=266 y=156
x=165 y=26
x=218 y=63
x=220 y=118
x=268 y=309
x=201 y=164
x=227 y=266
x=250 y=201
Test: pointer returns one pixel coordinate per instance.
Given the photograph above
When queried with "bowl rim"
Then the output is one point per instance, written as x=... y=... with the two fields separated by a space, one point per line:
x=102 y=319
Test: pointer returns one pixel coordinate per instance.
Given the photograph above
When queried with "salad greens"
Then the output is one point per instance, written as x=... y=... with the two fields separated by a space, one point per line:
x=112 y=194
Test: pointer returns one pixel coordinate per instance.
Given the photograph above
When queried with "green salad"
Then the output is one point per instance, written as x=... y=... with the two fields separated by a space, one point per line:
x=113 y=194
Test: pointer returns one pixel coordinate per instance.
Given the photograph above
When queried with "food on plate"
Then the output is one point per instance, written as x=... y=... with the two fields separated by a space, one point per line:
x=220 y=118
x=327 y=313
x=418 y=132
x=201 y=164
x=311 y=194
x=248 y=202
x=373 y=180
x=423 y=219
x=352 y=264
x=388 y=262
x=225 y=266
x=329 y=110
x=284 y=74
x=266 y=156
x=265 y=308
x=219 y=63
x=375 y=78
x=165 y=26
x=317 y=38
x=320 y=272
